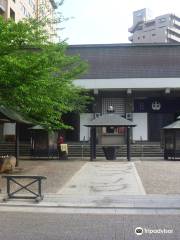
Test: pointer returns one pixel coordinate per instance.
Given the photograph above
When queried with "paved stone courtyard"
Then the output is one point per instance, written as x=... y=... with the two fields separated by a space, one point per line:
x=157 y=176
x=57 y=172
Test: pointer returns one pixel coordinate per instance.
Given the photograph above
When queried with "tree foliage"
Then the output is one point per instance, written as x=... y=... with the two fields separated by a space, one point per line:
x=36 y=75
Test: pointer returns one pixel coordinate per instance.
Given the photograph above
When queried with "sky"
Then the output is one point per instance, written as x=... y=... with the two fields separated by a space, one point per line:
x=106 y=21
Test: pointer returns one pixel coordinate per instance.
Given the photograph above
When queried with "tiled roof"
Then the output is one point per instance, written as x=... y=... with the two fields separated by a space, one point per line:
x=129 y=60
x=111 y=119
x=12 y=115
x=174 y=125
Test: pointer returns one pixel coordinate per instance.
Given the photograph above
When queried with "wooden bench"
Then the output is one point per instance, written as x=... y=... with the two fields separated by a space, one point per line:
x=17 y=179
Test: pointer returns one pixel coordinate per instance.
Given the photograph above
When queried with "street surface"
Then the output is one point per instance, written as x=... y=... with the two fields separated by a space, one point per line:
x=55 y=226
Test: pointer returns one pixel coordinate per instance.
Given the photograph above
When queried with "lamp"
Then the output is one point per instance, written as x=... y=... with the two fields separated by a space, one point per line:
x=110 y=109
x=96 y=91
x=167 y=91
x=129 y=91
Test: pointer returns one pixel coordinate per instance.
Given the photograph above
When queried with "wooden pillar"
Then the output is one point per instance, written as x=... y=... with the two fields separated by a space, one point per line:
x=128 y=145
x=174 y=144
x=17 y=144
x=165 y=144
x=92 y=143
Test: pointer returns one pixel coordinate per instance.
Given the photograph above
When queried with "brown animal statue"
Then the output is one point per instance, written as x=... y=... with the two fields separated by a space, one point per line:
x=7 y=164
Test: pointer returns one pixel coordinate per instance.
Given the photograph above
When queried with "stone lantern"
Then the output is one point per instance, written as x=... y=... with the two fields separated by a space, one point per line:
x=171 y=140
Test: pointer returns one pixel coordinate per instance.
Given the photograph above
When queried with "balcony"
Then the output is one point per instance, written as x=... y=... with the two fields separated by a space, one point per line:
x=174 y=31
x=3 y=6
x=177 y=23
x=173 y=38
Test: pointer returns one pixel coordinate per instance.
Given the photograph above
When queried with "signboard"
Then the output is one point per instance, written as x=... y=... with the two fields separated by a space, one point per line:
x=159 y=105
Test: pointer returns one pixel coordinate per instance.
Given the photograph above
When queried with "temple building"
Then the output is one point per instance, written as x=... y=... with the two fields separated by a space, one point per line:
x=140 y=81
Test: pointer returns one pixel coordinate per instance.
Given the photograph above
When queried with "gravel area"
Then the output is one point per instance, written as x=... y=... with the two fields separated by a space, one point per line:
x=159 y=177
x=57 y=172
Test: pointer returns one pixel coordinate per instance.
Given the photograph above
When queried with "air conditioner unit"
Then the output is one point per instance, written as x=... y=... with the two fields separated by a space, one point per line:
x=97 y=115
x=129 y=116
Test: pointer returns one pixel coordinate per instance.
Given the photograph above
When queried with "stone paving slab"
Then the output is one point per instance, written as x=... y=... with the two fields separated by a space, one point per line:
x=105 y=178
x=58 y=172
x=160 y=202
x=159 y=177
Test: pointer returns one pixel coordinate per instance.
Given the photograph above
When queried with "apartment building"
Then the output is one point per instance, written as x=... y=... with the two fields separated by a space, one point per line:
x=19 y=9
x=46 y=9
x=162 y=29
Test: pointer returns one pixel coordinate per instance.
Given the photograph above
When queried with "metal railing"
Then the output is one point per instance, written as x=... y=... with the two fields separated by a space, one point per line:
x=19 y=181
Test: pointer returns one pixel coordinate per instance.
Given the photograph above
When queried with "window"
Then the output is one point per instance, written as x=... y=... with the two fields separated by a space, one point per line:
x=24 y=10
x=12 y=14
x=153 y=34
x=161 y=20
x=113 y=130
x=32 y=4
x=149 y=24
x=139 y=28
x=143 y=36
x=110 y=130
x=138 y=14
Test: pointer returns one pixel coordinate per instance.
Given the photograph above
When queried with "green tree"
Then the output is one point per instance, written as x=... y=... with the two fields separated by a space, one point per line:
x=36 y=75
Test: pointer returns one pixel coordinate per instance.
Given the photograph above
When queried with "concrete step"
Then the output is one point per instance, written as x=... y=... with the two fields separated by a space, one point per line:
x=136 y=150
x=9 y=149
x=77 y=150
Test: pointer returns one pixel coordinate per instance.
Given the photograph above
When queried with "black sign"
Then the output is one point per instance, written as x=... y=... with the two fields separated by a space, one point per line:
x=160 y=105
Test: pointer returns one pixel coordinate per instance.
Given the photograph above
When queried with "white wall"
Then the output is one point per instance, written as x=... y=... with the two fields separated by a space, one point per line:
x=140 y=132
x=9 y=129
x=84 y=131
x=132 y=83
